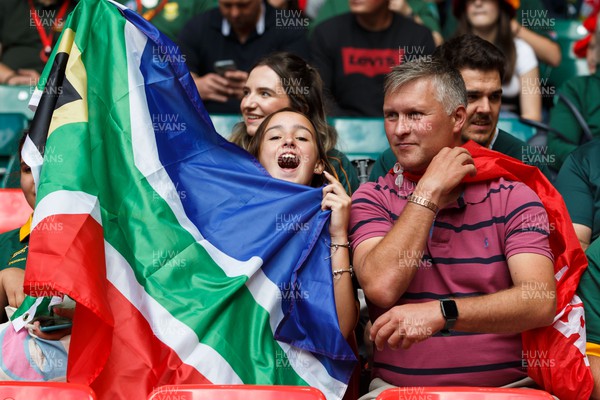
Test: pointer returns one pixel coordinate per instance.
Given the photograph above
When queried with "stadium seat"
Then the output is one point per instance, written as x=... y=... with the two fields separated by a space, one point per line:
x=15 y=99
x=14 y=209
x=462 y=393
x=45 y=391
x=11 y=128
x=517 y=128
x=224 y=123
x=236 y=392
x=362 y=140
x=12 y=177
x=567 y=33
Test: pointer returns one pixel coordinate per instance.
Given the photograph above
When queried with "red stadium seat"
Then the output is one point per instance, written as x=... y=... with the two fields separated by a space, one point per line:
x=236 y=392
x=14 y=209
x=45 y=391
x=462 y=393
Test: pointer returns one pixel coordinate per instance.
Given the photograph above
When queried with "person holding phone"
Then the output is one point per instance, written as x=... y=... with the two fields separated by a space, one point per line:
x=222 y=44
x=45 y=334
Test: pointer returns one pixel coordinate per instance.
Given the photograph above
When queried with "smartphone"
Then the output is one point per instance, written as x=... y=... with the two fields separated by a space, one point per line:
x=51 y=324
x=223 y=66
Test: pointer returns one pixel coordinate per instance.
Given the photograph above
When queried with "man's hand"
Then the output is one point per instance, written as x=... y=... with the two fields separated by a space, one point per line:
x=400 y=6
x=220 y=88
x=236 y=80
x=441 y=182
x=12 y=285
x=402 y=326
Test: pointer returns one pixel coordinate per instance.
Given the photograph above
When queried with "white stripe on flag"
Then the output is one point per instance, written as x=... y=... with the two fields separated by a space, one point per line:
x=185 y=343
x=147 y=161
x=33 y=158
x=66 y=202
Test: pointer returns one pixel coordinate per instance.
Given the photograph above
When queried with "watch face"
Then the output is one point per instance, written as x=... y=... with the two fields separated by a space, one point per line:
x=449 y=309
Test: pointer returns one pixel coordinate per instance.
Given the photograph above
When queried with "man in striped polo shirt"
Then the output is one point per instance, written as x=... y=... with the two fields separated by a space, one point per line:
x=453 y=272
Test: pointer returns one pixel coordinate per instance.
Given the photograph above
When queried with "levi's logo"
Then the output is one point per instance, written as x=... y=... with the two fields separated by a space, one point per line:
x=370 y=62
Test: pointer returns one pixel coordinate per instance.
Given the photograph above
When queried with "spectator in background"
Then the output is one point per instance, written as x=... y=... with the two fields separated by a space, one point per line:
x=583 y=92
x=481 y=65
x=355 y=50
x=532 y=24
x=579 y=183
x=28 y=31
x=169 y=16
x=418 y=10
x=241 y=31
x=433 y=257
x=491 y=20
x=286 y=80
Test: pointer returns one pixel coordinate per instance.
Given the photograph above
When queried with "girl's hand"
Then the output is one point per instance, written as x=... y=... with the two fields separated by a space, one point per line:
x=62 y=312
x=336 y=200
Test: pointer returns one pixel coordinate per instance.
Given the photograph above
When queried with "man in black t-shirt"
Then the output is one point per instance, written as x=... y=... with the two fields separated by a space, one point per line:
x=241 y=31
x=354 y=51
x=28 y=31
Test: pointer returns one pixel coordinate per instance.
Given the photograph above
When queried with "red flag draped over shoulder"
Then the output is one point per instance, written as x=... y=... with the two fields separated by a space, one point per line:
x=555 y=354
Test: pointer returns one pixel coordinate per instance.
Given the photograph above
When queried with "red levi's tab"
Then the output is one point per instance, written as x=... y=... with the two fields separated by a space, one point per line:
x=370 y=62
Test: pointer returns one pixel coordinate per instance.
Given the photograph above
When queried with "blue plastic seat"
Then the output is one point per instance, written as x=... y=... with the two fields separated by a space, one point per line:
x=517 y=128
x=15 y=99
x=224 y=123
x=362 y=140
x=11 y=129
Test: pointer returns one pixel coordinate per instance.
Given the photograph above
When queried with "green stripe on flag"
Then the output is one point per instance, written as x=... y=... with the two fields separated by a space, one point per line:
x=97 y=158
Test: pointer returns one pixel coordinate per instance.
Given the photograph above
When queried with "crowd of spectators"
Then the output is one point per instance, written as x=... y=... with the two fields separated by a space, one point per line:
x=443 y=258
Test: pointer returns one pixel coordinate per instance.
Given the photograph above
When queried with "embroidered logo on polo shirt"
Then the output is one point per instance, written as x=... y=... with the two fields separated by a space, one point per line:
x=16 y=253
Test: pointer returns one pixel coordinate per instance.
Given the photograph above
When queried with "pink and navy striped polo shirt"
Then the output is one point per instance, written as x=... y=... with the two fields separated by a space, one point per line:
x=466 y=255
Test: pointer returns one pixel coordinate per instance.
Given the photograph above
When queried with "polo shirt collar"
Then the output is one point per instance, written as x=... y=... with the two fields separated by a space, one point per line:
x=491 y=146
x=25 y=229
x=260 y=25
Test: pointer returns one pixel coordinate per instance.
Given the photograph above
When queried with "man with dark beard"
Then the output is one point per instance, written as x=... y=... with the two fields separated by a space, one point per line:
x=481 y=65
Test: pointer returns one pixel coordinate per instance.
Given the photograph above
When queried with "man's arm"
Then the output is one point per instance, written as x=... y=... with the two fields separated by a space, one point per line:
x=584 y=234
x=529 y=303
x=575 y=185
x=386 y=266
x=9 y=76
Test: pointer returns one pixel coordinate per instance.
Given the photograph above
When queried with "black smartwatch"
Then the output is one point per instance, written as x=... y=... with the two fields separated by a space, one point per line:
x=450 y=313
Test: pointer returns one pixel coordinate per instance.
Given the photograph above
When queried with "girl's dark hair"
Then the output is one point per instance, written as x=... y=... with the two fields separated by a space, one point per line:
x=504 y=39
x=22 y=141
x=304 y=88
x=256 y=141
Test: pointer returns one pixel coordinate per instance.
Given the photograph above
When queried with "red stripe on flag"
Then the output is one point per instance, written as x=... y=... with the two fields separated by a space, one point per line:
x=125 y=362
x=139 y=362
x=66 y=255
